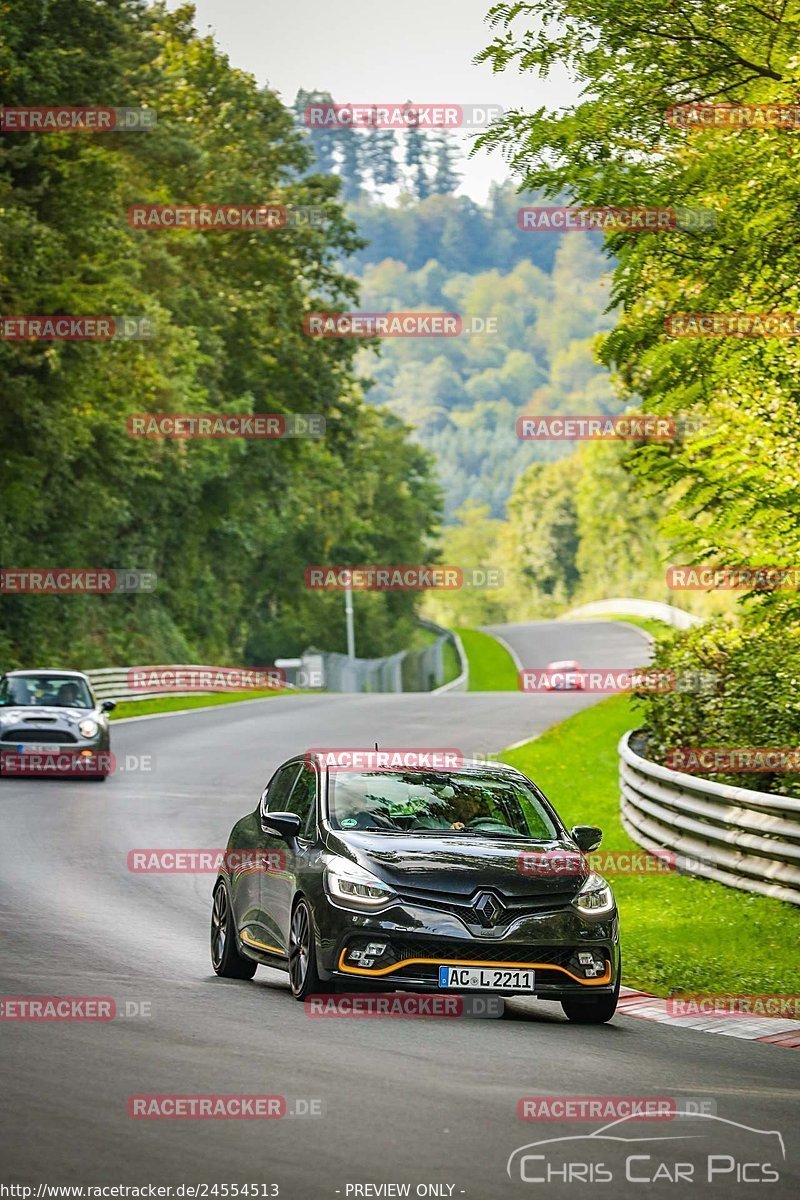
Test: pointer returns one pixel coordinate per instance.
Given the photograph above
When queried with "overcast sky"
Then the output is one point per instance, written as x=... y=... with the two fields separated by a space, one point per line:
x=366 y=50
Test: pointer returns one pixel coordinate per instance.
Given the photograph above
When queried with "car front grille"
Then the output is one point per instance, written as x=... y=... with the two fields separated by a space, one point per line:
x=417 y=959
x=49 y=737
x=513 y=906
x=459 y=951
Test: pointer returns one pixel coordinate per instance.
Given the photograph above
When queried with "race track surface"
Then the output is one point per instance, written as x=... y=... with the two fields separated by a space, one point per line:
x=418 y=1102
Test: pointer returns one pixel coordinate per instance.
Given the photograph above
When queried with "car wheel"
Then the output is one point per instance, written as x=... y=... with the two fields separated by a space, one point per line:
x=304 y=977
x=594 y=1010
x=225 y=957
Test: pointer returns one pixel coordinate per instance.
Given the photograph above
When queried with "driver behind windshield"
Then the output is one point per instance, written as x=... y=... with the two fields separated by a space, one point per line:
x=416 y=803
x=67 y=695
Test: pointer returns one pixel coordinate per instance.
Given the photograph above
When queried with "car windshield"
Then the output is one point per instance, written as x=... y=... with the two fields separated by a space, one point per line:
x=58 y=691
x=417 y=803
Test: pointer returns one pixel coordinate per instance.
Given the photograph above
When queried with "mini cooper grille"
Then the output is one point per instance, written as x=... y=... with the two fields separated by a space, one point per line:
x=38 y=736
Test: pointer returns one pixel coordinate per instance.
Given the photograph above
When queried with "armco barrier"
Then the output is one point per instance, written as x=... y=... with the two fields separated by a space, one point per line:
x=111 y=683
x=419 y=670
x=677 y=617
x=745 y=839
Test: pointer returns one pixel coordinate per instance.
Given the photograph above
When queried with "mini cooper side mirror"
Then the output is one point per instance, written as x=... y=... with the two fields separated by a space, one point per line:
x=284 y=825
x=586 y=837
x=108 y=706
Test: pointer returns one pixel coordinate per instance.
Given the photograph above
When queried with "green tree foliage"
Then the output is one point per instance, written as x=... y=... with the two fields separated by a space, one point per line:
x=464 y=394
x=228 y=525
x=446 y=177
x=735 y=483
x=742 y=690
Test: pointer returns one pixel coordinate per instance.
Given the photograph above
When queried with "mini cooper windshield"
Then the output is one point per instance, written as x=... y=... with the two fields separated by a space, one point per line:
x=42 y=691
x=467 y=804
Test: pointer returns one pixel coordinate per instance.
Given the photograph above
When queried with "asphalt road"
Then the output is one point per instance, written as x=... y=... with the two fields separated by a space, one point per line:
x=416 y=1102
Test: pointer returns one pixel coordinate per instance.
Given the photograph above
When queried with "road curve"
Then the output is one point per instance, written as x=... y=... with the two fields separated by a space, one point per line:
x=405 y=1101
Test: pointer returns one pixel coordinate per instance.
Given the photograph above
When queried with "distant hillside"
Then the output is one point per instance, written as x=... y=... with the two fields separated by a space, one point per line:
x=463 y=395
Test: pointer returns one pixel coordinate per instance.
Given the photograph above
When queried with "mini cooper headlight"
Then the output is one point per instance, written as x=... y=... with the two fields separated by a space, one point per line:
x=595 y=897
x=88 y=727
x=354 y=886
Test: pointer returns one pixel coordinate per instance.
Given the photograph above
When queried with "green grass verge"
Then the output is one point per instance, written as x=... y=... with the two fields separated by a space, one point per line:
x=422 y=637
x=159 y=704
x=678 y=933
x=491 y=667
x=450 y=660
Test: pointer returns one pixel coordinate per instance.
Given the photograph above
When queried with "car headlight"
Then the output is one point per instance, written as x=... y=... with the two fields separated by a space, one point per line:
x=353 y=885
x=595 y=897
x=88 y=727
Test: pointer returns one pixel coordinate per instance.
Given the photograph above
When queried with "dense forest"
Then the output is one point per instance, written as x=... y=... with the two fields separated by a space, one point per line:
x=426 y=248
x=228 y=526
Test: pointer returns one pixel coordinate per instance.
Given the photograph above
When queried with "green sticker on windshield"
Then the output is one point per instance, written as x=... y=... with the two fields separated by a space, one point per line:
x=349 y=822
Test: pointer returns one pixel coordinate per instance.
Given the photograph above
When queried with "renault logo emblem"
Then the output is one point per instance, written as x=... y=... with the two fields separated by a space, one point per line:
x=487 y=908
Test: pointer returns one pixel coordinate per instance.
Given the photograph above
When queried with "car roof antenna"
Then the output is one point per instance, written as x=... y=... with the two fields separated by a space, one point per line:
x=376 y=745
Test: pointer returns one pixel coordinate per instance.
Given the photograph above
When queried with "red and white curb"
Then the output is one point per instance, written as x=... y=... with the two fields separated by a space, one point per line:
x=754 y=1029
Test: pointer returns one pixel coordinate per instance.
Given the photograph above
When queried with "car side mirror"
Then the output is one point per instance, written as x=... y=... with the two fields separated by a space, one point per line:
x=586 y=837
x=108 y=706
x=284 y=825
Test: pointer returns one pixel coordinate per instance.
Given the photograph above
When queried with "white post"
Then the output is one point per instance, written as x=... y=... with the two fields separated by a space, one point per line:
x=348 y=612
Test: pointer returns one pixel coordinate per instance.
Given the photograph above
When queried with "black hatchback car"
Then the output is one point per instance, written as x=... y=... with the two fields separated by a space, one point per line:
x=417 y=880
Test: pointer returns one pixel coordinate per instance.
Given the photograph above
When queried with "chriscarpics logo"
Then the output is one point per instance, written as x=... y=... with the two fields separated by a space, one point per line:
x=692 y=1150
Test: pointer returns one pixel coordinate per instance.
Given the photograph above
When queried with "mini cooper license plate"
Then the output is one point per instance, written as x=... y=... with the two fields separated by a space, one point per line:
x=486 y=979
x=30 y=748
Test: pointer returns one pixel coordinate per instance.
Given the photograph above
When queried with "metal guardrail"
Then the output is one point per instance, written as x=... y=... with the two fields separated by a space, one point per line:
x=677 y=617
x=461 y=681
x=111 y=683
x=416 y=670
x=746 y=839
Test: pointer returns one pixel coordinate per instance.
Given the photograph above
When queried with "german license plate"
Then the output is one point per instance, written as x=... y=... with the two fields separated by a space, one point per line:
x=486 y=979
x=31 y=748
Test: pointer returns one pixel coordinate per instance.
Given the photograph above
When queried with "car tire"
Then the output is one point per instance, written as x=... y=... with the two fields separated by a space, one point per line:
x=225 y=957
x=594 y=1010
x=304 y=977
